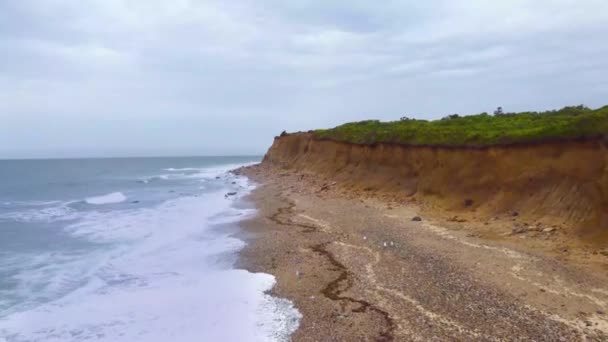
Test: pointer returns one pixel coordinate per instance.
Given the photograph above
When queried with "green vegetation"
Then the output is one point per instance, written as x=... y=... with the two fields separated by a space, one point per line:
x=477 y=130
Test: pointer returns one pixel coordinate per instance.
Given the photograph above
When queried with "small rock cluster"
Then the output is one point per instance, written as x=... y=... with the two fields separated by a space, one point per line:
x=326 y=186
x=524 y=228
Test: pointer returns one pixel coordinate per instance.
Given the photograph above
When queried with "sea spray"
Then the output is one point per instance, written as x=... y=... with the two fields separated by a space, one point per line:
x=152 y=271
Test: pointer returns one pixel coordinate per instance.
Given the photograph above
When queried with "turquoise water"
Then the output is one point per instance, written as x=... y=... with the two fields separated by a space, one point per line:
x=133 y=249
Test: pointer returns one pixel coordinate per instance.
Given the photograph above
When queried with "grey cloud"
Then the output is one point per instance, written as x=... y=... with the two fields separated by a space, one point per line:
x=253 y=68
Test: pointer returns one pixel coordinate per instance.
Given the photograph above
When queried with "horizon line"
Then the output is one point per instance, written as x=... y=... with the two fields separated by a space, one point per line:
x=135 y=157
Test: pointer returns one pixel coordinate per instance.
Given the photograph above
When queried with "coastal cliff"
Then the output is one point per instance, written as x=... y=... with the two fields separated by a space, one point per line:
x=562 y=183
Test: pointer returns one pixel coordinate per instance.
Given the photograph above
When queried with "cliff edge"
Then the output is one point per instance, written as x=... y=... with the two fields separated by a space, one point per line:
x=561 y=183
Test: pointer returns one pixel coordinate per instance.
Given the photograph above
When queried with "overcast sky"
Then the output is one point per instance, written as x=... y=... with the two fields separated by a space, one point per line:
x=196 y=77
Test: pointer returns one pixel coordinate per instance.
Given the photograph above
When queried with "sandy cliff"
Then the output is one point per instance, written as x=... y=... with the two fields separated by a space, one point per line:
x=560 y=183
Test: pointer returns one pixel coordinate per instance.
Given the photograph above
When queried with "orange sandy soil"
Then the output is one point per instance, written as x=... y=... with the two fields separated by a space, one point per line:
x=359 y=269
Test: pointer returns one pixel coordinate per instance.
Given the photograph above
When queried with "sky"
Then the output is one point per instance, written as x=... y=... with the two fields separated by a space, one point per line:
x=197 y=77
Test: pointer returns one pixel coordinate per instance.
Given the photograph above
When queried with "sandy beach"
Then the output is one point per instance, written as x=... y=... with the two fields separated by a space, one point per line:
x=366 y=268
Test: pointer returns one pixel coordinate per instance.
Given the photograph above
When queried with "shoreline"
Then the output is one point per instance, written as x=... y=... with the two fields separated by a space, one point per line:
x=358 y=268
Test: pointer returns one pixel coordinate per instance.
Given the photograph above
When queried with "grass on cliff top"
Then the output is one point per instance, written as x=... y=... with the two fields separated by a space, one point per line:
x=477 y=130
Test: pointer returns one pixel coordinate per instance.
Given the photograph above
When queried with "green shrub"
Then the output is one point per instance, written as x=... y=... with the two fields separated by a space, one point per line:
x=477 y=130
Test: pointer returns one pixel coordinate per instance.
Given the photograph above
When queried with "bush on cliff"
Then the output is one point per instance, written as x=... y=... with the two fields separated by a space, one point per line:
x=478 y=130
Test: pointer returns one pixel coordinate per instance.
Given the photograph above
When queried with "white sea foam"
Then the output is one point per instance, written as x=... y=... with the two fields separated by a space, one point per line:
x=60 y=212
x=171 y=169
x=115 y=197
x=156 y=178
x=166 y=274
x=32 y=203
x=208 y=173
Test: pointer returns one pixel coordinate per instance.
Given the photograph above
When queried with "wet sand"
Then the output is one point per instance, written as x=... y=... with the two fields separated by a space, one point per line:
x=360 y=269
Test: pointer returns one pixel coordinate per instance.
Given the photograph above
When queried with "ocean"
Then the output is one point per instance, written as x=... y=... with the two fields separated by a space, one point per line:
x=131 y=249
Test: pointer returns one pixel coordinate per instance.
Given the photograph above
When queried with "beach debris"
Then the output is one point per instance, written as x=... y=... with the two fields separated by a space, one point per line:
x=457 y=219
x=230 y=194
x=298 y=273
x=392 y=244
x=365 y=238
x=218 y=177
x=519 y=229
x=134 y=202
x=326 y=186
x=385 y=244
x=548 y=230
x=416 y=218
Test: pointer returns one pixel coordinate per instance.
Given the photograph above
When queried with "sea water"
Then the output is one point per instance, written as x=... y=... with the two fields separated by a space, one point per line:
x=133 y=249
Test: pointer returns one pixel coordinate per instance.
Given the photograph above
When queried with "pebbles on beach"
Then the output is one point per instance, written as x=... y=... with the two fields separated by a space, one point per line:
x=405 y=284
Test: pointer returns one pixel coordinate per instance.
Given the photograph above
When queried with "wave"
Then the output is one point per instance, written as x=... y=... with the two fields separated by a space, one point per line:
x=154 y=178
x=171 y=169
x=158 y=273
x=58 y=213
x=29 y=203
x=208 y=173
x=115 y=197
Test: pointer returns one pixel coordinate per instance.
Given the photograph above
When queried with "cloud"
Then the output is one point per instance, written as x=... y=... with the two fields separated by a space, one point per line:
x=265 y=66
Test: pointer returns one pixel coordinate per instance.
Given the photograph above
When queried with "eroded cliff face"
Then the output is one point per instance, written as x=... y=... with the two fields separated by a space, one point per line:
x=563 y=183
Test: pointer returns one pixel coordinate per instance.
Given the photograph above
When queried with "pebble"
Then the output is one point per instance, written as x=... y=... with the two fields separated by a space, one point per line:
x=519 y=230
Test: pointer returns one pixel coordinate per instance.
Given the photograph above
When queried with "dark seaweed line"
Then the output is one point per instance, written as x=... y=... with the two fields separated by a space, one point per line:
x=333 y=289
x=307 y=228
